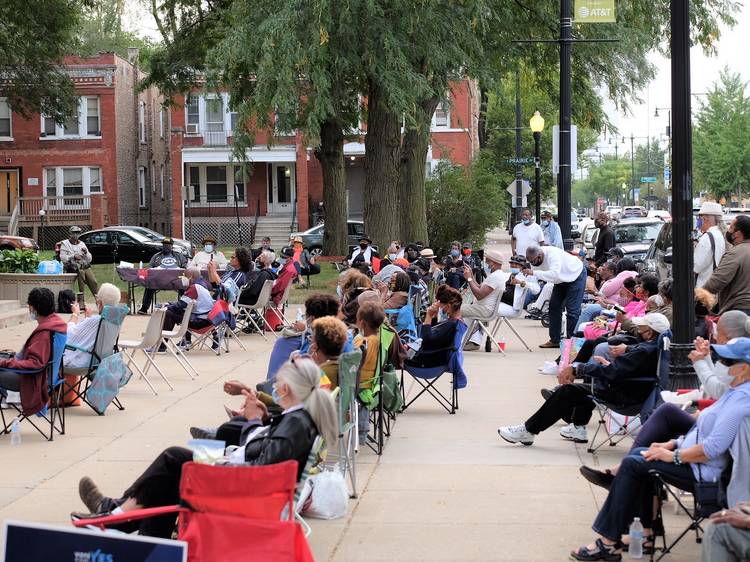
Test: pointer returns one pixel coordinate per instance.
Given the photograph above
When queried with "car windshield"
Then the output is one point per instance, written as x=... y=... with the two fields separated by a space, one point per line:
x=146 y=233
x=315 y=230
x=637 y=232
x=137 y=235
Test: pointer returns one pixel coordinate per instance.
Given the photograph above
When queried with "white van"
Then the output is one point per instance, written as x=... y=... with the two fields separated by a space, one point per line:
x=614 y=211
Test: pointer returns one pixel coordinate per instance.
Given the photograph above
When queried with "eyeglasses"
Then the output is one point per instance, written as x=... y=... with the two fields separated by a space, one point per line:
x=729 y=362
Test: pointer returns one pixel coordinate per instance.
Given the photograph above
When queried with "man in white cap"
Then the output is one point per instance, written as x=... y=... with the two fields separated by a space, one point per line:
x=612 y=382
x=76 y=258
x=486 y=295
x=711 y=244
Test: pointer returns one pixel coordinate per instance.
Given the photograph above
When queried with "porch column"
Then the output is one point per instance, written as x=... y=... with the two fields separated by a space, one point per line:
x=96 y=211
x=176 y=183
x=303 y=200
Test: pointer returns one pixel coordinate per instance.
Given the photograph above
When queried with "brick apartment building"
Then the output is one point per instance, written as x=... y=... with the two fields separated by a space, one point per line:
x=109 y=164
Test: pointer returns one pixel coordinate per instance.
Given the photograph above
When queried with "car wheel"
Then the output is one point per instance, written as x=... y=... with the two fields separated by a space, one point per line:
x=316 y=251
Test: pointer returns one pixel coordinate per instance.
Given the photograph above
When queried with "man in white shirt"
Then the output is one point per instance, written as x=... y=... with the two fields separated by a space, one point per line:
x=711 y=244
x=207 y=254
x=566 y=271
x=76 y=258
x=526 y=233
x=486 y=295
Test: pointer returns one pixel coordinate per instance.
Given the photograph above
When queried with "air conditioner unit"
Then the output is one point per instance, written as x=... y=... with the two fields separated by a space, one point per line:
x=192 y=128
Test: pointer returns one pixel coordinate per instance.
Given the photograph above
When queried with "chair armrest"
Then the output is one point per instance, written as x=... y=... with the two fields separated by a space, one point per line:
x=134 y=515
x=76 y=348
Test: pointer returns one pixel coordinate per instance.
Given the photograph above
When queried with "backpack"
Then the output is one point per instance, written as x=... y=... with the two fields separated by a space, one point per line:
x=65 y=300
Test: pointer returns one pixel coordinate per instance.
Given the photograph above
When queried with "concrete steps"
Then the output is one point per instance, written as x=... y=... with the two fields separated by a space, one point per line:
x=13 y=314
x=276 y=228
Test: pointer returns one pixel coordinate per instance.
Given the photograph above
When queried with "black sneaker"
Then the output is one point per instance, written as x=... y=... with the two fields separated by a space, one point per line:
x=143 y=312
x=601 y=478
x=546 y=393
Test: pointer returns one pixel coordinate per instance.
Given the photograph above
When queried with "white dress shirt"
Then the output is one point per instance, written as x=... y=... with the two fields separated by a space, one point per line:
x=558 y=266
x=704 y=262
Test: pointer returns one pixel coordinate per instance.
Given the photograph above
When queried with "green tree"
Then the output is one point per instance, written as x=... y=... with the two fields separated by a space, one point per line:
x=35 y=35
x=721 y=151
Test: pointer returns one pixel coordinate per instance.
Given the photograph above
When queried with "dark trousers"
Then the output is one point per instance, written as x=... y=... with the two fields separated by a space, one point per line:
x=632 y=493
x=172 y=317
x=160 y=485
x=667 y=422
x=148 y=297
x=570 y=402
x=570 y=297
x=231 y=431
x=313 y=269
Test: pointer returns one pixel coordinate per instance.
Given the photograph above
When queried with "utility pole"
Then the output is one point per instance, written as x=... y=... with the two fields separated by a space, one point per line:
x=632 y=170
x=519 y=167
x=563 y=177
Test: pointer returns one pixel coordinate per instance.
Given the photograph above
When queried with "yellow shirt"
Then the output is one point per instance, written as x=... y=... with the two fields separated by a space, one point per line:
x=370 y=363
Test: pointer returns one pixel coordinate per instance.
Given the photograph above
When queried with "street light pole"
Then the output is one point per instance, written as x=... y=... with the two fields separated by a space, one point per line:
x=537 y=125
x=563 y=178
x=632 y=170
x=42 y=212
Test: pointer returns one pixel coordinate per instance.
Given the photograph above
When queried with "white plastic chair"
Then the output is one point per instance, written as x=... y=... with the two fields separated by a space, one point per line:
x=170 y=337
x=149 y=344
x=504 y=313
x=245 y=317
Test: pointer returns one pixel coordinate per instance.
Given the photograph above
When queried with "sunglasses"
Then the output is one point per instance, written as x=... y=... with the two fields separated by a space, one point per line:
x=729 y=362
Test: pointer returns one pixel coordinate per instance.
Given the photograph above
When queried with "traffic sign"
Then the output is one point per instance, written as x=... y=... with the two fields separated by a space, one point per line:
x=667 y=174
x=648 y=179
x=523 y=160
x=523 y=205
x=525 y=188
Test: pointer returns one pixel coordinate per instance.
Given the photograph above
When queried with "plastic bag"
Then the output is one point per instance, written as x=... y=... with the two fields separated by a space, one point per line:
x=49 y=267
x=206 y=451
x=329 y=495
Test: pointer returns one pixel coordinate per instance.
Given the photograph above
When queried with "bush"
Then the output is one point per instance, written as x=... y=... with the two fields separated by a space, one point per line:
x=18 y=261
x=463 y=204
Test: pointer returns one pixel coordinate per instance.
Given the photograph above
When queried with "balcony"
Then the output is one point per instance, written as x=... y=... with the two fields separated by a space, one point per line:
x=60 y=210
x=212 y=136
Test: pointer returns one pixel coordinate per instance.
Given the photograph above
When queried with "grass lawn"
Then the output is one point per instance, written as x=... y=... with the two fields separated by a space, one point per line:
x=325 y=282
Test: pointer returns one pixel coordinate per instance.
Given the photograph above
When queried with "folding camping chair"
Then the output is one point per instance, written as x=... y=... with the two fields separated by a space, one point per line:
x=403 y=321
x=379 y=417
x=105 y=342
x=246 y=311
x=313 y=459
x=637 y=413
x=427 y=377
x=170 y=337
x=149 y=344
x=51 y=411
x=222 y=504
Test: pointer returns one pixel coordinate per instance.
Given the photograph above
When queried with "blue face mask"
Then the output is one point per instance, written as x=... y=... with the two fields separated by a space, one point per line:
x=275 y=395
x=545 y=223
x=526 y=221
x=33 y=316
x=392 y=257
x=455 y=253
x=208 y=248
x=515 y=270
x=698 y=223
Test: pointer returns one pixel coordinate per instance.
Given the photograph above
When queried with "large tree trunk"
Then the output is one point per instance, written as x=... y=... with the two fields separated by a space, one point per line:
x=382 y=147
x=413 y=207
x=482 y=120
x=331 y=158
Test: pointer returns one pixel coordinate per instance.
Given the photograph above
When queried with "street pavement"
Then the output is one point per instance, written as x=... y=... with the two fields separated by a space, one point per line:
x=446 y=487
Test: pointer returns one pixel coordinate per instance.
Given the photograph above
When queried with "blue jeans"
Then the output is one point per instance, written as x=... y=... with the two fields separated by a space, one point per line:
x=569 y=295
x=588 y=313
x=632 y=493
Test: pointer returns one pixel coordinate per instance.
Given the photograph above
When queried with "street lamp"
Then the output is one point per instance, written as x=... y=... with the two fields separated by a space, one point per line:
x=42 y=212
x=537 y=126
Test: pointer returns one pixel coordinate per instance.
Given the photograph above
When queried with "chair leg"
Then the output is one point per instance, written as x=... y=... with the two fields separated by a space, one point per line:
x=141 y=374
x=151 y=361
x=513 y=329
x=175 y=352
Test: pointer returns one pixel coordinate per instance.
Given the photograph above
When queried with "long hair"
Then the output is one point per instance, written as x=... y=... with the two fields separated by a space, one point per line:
x=303 y=378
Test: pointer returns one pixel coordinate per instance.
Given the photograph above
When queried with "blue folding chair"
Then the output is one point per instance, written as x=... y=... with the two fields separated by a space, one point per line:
x=403 y=321
x=52 y=413
x=427 y=377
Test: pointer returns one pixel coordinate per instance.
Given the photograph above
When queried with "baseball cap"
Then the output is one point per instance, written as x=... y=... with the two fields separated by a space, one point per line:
x=654 y=320
x=736 y=348
x=167 y=240
x=75 y=229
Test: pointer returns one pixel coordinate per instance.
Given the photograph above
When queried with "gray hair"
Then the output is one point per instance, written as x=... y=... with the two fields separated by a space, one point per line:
x=303 y=378
x=108 y=294
x=193 y=272
x=735 y=324
x=533 y=251
x=265 y=258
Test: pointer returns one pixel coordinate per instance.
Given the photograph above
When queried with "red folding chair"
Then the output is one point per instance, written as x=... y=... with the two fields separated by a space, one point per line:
x=231 y=513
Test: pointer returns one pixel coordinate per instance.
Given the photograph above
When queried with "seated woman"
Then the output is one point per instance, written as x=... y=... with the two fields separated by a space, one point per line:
x=356 y=289
x=613 y=276
x=396 y=294
x=309 y=411
x=706 y=445
x=34 y=354
x=329 y=338
x=439 y=336
x=303 y=260
x=257 y=279
x=82 y=334
x=240 y=266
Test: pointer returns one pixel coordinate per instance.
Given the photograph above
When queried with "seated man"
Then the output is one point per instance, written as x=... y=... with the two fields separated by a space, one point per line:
x=166 y=259
x=727 y=537
x=208 y=254
x=34 y=354
x=572 y=402
x=82 y=335
x=453 y=266
x=257 y=279
x=265 y=246
x=361 y=256
x=287 y=274
x=204 y=302
x=486 y=295
x=76 y=258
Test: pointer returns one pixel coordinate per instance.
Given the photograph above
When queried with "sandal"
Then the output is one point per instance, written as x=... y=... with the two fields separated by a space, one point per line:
x=606 y=552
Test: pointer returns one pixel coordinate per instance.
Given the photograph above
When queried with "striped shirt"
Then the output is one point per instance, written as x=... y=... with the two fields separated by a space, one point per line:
x=81 y=335
x=716 y=429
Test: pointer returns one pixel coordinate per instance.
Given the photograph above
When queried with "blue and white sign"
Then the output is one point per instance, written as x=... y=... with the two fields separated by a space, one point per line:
x=667 y=174
x=36 y=542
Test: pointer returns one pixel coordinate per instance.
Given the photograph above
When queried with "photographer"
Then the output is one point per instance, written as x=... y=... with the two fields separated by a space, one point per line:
x=76 y=258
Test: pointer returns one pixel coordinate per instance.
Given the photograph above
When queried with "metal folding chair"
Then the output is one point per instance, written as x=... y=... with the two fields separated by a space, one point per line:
x=170 y=337
x=246 y=311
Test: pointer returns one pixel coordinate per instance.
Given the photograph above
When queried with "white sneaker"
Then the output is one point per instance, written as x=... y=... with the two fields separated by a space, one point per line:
x=576 y=433
x=516 y=434
x=549 y=368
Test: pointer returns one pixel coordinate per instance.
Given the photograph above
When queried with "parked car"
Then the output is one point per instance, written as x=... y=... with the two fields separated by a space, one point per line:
x=312 y=238
x=123 y=243
x=632 y=212
x=658 y=259
x=17 y=243
x=180 y=244
x=635 y=236
x=659 y=214
x=614 y=211
x=588 y=237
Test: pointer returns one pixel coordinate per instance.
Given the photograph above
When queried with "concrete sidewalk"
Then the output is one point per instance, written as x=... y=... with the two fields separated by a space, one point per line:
x=446 y=487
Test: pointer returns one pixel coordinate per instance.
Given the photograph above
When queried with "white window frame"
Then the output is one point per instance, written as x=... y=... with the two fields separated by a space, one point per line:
x=161 y=123
x=142 y=122
x=203 y=187
x=83 y=132
x=161 y=181
x=445 y=106
x=60 y=188
x=198 y=104
x=9 y=136
x=202 y=125
x=152 y=169
x=141 y=186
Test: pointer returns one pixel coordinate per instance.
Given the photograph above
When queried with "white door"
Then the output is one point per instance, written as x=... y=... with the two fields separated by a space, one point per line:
x=281 y=190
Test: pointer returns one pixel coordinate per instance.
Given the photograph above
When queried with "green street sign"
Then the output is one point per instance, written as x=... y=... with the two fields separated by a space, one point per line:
x=595 y=11
x=520 y=161
x=648 y=179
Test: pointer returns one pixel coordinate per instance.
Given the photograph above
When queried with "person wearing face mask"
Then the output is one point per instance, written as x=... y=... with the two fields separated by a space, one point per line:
x=453 y=266
x=35 y=353
x=525 y=234
x=76 y=258
x=711 y=244
x=439 y=335
x=551 y=230
x=257 y=279
x=208 y=254
x=308 y=411
x=166 y=259
x=361 y=256
x=730 y=279
x=486 y=295
x=82 y=334
x=286 y=274
x=702 y=454
x=605 y=240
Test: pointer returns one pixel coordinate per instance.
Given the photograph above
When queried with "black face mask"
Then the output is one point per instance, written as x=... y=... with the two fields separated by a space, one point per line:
x=597 y=224
x=730 y=237
x=363 y=246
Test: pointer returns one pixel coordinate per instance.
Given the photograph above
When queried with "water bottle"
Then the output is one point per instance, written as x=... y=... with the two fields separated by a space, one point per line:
x=140 y=265
x=15 y=433
x=635 y=548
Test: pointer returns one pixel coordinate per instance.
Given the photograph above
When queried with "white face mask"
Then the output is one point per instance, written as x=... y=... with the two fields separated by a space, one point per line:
x=392 y=257
x=722 y=373
x=339 y=292
x=659 y=301
x=208 y=248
